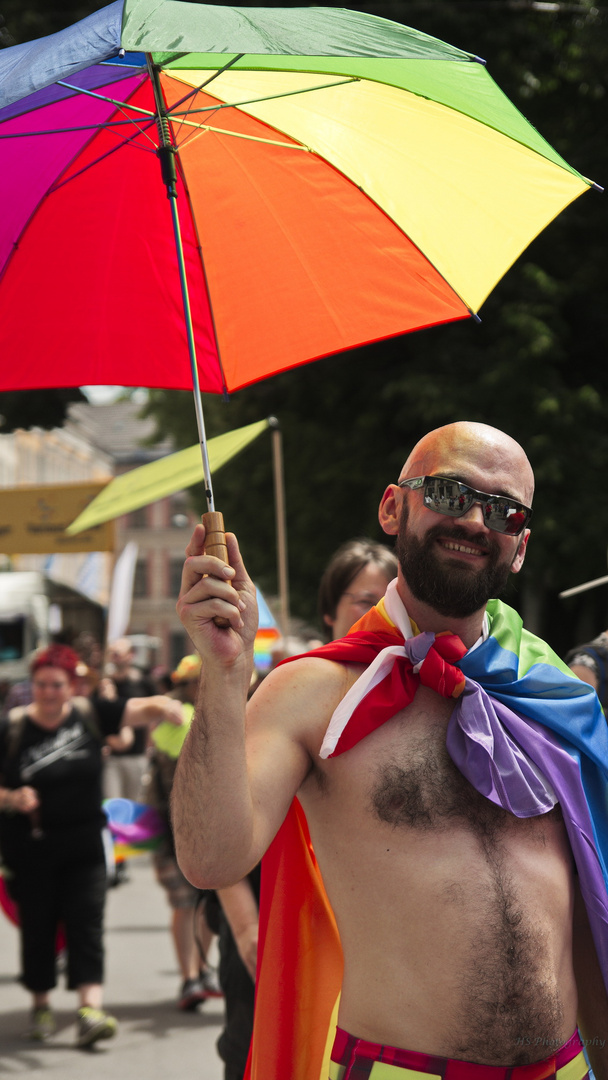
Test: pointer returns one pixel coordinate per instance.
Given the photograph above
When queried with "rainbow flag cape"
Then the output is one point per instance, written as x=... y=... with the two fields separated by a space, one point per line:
x=518 y=697
x=135 y=827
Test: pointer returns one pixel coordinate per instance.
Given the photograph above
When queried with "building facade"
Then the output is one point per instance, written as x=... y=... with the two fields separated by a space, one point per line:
x=98 y=442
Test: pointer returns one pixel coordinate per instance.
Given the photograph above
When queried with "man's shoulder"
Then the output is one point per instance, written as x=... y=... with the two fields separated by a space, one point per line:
x=298 y=699
x=307 y=672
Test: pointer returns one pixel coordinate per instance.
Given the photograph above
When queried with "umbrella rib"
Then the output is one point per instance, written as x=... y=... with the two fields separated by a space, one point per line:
x=120 y=105
x=102 y=157
x=270 y=97
x=68 y=130
x=201 y=129
x=103 y=97
x=215 y=75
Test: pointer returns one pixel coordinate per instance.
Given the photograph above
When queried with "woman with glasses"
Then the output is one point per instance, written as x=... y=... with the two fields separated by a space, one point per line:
x=354 y=580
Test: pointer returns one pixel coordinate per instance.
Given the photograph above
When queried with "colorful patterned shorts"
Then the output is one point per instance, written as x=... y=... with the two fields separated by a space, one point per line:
x=357 y=1059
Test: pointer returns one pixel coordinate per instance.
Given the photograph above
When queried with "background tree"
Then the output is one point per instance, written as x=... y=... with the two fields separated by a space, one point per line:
x=534 y=367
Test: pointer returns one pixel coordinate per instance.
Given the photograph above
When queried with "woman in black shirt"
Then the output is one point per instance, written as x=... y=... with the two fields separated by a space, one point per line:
x=52 y=833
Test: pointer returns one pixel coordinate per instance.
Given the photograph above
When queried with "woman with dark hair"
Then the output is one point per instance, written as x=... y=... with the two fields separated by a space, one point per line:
x=353 y=581
x=52 y=829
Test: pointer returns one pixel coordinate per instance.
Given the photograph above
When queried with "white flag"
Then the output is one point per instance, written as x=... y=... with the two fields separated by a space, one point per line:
x=121 y=593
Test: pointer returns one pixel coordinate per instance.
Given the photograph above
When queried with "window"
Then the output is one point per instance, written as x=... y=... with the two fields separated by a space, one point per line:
x=140 y=580
x=178 y=647
x=175 y=576
x=138 y=519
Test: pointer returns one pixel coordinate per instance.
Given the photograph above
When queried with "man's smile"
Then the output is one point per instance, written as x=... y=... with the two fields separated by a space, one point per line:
x=465 y=549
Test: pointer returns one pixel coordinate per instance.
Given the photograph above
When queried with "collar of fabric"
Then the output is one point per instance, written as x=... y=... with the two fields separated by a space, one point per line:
x=427 y=655
x=478 y=738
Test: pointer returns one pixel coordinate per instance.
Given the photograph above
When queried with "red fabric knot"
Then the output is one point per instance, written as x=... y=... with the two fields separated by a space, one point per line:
x=437 y=672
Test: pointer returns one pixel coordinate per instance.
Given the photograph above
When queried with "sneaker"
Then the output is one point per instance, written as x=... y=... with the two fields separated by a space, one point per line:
x=211 y=983
x=192 y=994
x=94 y=1024
x=43 y=1024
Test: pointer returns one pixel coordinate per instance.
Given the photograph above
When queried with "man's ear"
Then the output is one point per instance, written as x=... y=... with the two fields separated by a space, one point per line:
x=518 y=561
x=389 y=512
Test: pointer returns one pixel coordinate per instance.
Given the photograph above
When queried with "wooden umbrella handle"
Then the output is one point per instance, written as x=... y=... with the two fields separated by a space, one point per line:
x=215 y=544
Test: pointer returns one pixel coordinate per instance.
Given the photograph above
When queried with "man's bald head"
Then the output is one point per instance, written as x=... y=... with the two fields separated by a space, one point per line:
x=473 y=449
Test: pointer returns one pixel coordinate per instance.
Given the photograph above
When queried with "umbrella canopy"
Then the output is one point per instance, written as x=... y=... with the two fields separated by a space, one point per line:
x=339 y=179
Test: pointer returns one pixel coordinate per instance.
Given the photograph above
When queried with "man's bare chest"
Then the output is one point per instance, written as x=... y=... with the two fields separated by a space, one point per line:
x=402 y=776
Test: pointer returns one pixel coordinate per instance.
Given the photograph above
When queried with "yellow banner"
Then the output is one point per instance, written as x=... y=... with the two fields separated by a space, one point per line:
x=33 y=520
x=176 y=472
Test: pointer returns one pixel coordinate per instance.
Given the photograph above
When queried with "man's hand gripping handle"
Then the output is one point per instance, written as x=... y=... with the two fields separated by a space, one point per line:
x=215 y=544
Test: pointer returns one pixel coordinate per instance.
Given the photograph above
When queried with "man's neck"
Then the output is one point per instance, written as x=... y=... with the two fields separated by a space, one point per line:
x=426 y=618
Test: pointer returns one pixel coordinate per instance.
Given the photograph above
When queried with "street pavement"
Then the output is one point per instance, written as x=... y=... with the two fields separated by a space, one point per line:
x=155 y=1040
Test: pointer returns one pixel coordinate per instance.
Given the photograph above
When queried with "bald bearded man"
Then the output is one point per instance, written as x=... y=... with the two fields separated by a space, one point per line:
x=455 y=915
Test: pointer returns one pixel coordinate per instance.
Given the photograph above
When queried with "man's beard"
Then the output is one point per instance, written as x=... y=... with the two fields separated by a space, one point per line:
x=454 y=589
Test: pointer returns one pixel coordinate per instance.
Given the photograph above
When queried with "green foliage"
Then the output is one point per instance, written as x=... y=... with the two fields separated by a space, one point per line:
x=35 y=408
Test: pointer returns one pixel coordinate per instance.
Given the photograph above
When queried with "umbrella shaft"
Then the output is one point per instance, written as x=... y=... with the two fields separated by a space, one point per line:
x=166 y=156
x=198 y=408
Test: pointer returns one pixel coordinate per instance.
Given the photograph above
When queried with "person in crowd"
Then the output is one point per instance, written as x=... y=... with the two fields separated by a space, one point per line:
x=354 y=579
x=427 y=753
x=53 y=831
x=189 y=929
x=161 y=679
x=590 y=663
x=124 y=769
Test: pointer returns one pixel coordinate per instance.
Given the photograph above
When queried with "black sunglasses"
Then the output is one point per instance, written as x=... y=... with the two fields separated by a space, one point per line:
x=453 y=498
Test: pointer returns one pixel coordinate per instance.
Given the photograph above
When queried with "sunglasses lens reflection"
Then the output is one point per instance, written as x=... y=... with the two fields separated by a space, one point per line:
x=454 y=499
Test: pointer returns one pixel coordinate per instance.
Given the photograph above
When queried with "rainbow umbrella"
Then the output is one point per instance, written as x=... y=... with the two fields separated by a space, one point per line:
x=333 y=179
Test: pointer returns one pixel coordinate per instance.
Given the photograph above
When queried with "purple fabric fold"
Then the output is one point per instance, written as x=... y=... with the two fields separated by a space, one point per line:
x=520 y=765
x=416 y=648
x=480 y=745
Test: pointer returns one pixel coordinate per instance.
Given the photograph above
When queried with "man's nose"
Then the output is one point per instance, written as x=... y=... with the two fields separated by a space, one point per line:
x=475 y=514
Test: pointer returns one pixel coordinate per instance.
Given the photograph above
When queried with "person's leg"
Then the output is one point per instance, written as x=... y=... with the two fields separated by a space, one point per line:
x=186 y=950
x=35 y=895
x=84 y=887
x=91 y=995
x=84 y=892
x=204 y=936
x=238 y=988
x=182 y=899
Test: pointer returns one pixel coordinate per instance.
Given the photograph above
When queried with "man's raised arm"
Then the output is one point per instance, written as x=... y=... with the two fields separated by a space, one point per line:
x=230 y=793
